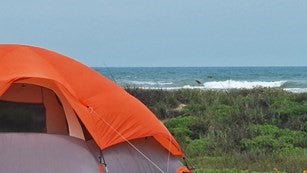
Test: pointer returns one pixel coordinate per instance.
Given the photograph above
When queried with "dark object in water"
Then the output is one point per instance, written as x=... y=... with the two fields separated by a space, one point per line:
x=210 y=77
x=198 y=82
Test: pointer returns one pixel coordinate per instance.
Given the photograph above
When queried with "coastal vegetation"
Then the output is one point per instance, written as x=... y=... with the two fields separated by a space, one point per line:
x=259 y=130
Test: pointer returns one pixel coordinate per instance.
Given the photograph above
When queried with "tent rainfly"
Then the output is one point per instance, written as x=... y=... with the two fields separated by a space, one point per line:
x=58 y=115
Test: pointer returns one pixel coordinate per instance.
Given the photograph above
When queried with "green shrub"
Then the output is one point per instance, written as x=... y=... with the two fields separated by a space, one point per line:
x=261 y=144
x=180 y=128
x=160 y=110
x=260 y=130
x=271 y=139
x=266 y=129
x=286 y=105
x=199 y=147
x=221 y=113
x=297 y=138
x=181 y=134
x=196 y=110
x=181 y=121
x=304 y=127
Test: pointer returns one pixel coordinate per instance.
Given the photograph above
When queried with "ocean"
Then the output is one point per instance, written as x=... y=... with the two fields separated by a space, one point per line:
x=293 y=79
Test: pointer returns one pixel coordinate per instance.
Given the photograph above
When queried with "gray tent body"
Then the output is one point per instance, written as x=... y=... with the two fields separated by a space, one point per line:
x=49 y=153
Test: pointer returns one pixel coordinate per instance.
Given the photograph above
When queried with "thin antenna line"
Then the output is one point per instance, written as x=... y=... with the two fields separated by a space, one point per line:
x=109 y=71
x=169 y=153
x=133 y=146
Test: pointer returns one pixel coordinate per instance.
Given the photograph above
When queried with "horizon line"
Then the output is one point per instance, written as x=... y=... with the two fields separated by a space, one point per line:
x=192 y=66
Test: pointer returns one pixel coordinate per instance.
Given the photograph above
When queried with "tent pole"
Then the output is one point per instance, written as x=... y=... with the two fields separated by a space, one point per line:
x=102 y=161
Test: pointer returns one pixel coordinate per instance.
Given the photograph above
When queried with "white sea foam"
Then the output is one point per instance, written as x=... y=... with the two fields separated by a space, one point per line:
x=228 y=84
x=150 y=83
x=232 y=84
x=293 y=90
x=219 y=85
x=175 y=87
x=296 y=90
x=163 y=88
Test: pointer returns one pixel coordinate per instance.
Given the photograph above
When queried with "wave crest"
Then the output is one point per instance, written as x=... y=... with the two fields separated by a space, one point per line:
x=150 y=83
x=296 y=90
x=232 y=84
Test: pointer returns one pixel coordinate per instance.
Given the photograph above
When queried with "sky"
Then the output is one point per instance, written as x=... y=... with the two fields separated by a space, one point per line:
x=147 y=33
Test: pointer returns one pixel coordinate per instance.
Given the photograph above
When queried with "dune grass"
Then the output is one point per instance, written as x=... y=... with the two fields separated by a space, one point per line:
x=260 y=130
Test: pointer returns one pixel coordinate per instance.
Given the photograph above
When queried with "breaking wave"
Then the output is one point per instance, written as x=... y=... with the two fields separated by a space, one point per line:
x=232 y=84
x=228 y=84
x=296 y=90
x=150 y=83
x=221 y=85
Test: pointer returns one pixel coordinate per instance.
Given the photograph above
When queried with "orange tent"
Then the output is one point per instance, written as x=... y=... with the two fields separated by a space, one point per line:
x=78 y=101
x=108 y=112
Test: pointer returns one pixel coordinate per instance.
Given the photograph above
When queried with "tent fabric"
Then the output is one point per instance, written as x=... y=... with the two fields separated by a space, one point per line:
x=123 y=158
x=55 y=118
x=47 y=153
x=109 y=113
